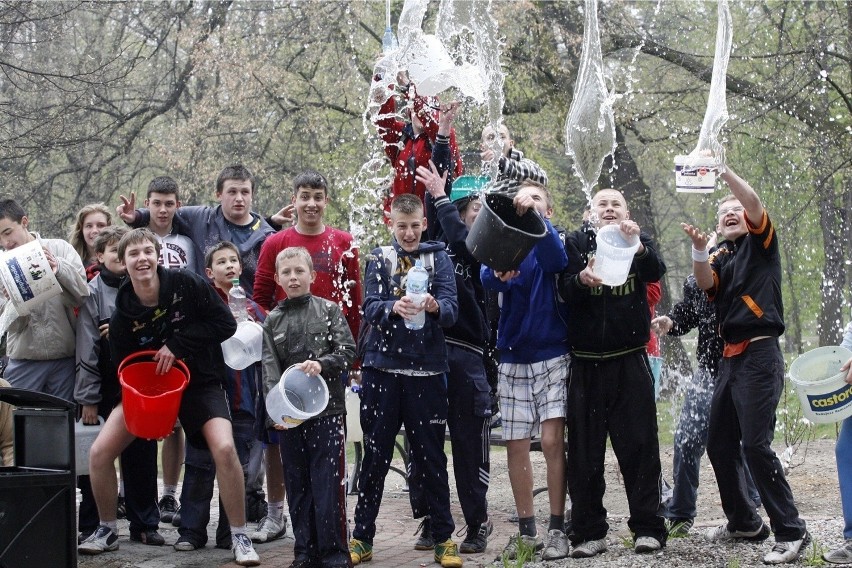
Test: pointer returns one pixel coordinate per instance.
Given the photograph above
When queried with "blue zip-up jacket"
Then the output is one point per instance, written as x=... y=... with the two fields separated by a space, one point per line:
x=533 y=322
x=389 y=344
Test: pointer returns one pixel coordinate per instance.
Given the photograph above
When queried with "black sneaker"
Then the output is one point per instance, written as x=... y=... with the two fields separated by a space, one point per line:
x=168 y=507
x=477 y=538
x=176 y=518
x=84 y=534
x=425 y=542
x=121 y=508
x=679 y=528
x=256 y=507
x=151 y=538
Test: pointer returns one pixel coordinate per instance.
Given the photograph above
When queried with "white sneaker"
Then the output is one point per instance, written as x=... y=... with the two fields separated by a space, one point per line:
x=647 y=544
x=244 y=554
x=722 y=534
x=269 y=529
x=784 y=552
x=589 y=548
x=102 y=540
x=555 y=546
x=842 y=555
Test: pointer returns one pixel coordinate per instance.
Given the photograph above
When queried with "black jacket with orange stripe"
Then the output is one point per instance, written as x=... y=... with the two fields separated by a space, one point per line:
x=747 y=284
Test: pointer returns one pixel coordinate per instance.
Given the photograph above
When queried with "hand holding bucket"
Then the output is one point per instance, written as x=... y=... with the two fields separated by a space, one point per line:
x=820 y=381
x=296 y=398
x=614 y=254
x=151 y=401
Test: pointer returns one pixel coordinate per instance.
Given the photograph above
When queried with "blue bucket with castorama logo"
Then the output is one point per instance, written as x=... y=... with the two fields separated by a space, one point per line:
x=824 y=394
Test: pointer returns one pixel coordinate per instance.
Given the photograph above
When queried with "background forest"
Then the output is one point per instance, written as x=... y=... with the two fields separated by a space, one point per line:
x=98 y=97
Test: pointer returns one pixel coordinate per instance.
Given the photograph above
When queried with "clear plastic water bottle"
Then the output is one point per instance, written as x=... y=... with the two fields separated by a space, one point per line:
x=417 y=284
x=237 y=301
x=389 y=42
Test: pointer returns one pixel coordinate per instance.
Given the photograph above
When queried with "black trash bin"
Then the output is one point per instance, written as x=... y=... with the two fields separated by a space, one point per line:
x=38 y=495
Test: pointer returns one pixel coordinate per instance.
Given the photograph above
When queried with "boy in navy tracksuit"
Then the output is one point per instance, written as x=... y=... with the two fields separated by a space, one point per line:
x=223 y=265
x=311 y=334
x=611 y=390
x=533 y=371
x=97 y=391
x=402 y=380
x=467 y=385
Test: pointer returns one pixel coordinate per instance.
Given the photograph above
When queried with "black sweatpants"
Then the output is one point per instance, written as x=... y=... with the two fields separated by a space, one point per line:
x=743 y=410
x=613 y=397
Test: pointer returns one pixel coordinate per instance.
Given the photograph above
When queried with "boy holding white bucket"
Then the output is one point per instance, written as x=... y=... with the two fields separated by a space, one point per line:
x=311 y=333
x=98 y=391
x=611 y=392
x=743 y=281
x=533 y=371
x=178 y=315
x=40 y=345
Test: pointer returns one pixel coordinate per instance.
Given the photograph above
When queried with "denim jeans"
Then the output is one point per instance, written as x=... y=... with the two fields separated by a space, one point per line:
x=690 y=442
x=843 y=453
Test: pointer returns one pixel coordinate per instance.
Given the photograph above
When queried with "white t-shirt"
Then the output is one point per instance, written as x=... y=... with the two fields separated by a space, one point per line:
x=176 y=251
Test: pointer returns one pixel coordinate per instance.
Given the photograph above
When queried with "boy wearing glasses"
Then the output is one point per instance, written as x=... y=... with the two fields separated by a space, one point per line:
x=743 y=280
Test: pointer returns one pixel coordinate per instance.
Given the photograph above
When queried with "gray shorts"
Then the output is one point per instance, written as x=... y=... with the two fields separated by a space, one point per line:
x=531 y=393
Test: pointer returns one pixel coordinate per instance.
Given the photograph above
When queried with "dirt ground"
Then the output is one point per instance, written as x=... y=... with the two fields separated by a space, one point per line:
x=813 y=479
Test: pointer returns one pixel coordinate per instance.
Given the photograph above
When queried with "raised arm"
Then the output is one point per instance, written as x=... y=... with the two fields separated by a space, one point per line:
x=745 y=194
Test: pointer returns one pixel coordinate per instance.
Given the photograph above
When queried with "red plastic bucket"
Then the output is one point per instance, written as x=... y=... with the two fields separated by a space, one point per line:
x=150 y=401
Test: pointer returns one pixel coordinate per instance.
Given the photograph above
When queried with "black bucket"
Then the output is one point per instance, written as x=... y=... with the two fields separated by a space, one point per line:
x=500 y=238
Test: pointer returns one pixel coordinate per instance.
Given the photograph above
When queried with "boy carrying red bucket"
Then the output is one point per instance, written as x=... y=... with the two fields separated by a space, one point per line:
x=178 y=315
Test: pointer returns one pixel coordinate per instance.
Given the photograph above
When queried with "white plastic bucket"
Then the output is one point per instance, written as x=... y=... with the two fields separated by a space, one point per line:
x=244 y=347
x=614 y=255
x=296 y=398
x=824 y=394
x=695 y=174
x=656 y=371
x=353 y=417
x=433 y=71
x=27 y=277
x=84 y=437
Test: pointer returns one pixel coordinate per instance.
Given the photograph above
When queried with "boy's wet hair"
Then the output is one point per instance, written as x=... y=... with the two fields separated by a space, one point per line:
x=294 y=252
x=221 y=245
x=548 y=198
x=163 y=184
x=407 y=204
x=12 y=210
x=135 y=236
x=236 y=172
x=729 y=197
x=311 y=179
x=107 y=236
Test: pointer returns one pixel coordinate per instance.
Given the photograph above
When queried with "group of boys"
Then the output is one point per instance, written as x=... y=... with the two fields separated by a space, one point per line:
x=557 y=321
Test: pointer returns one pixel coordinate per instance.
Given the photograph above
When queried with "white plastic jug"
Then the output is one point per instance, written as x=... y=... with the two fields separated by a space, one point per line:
x=244 y=347
x=614 y=255
x=84 y=437
x=296 y=398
